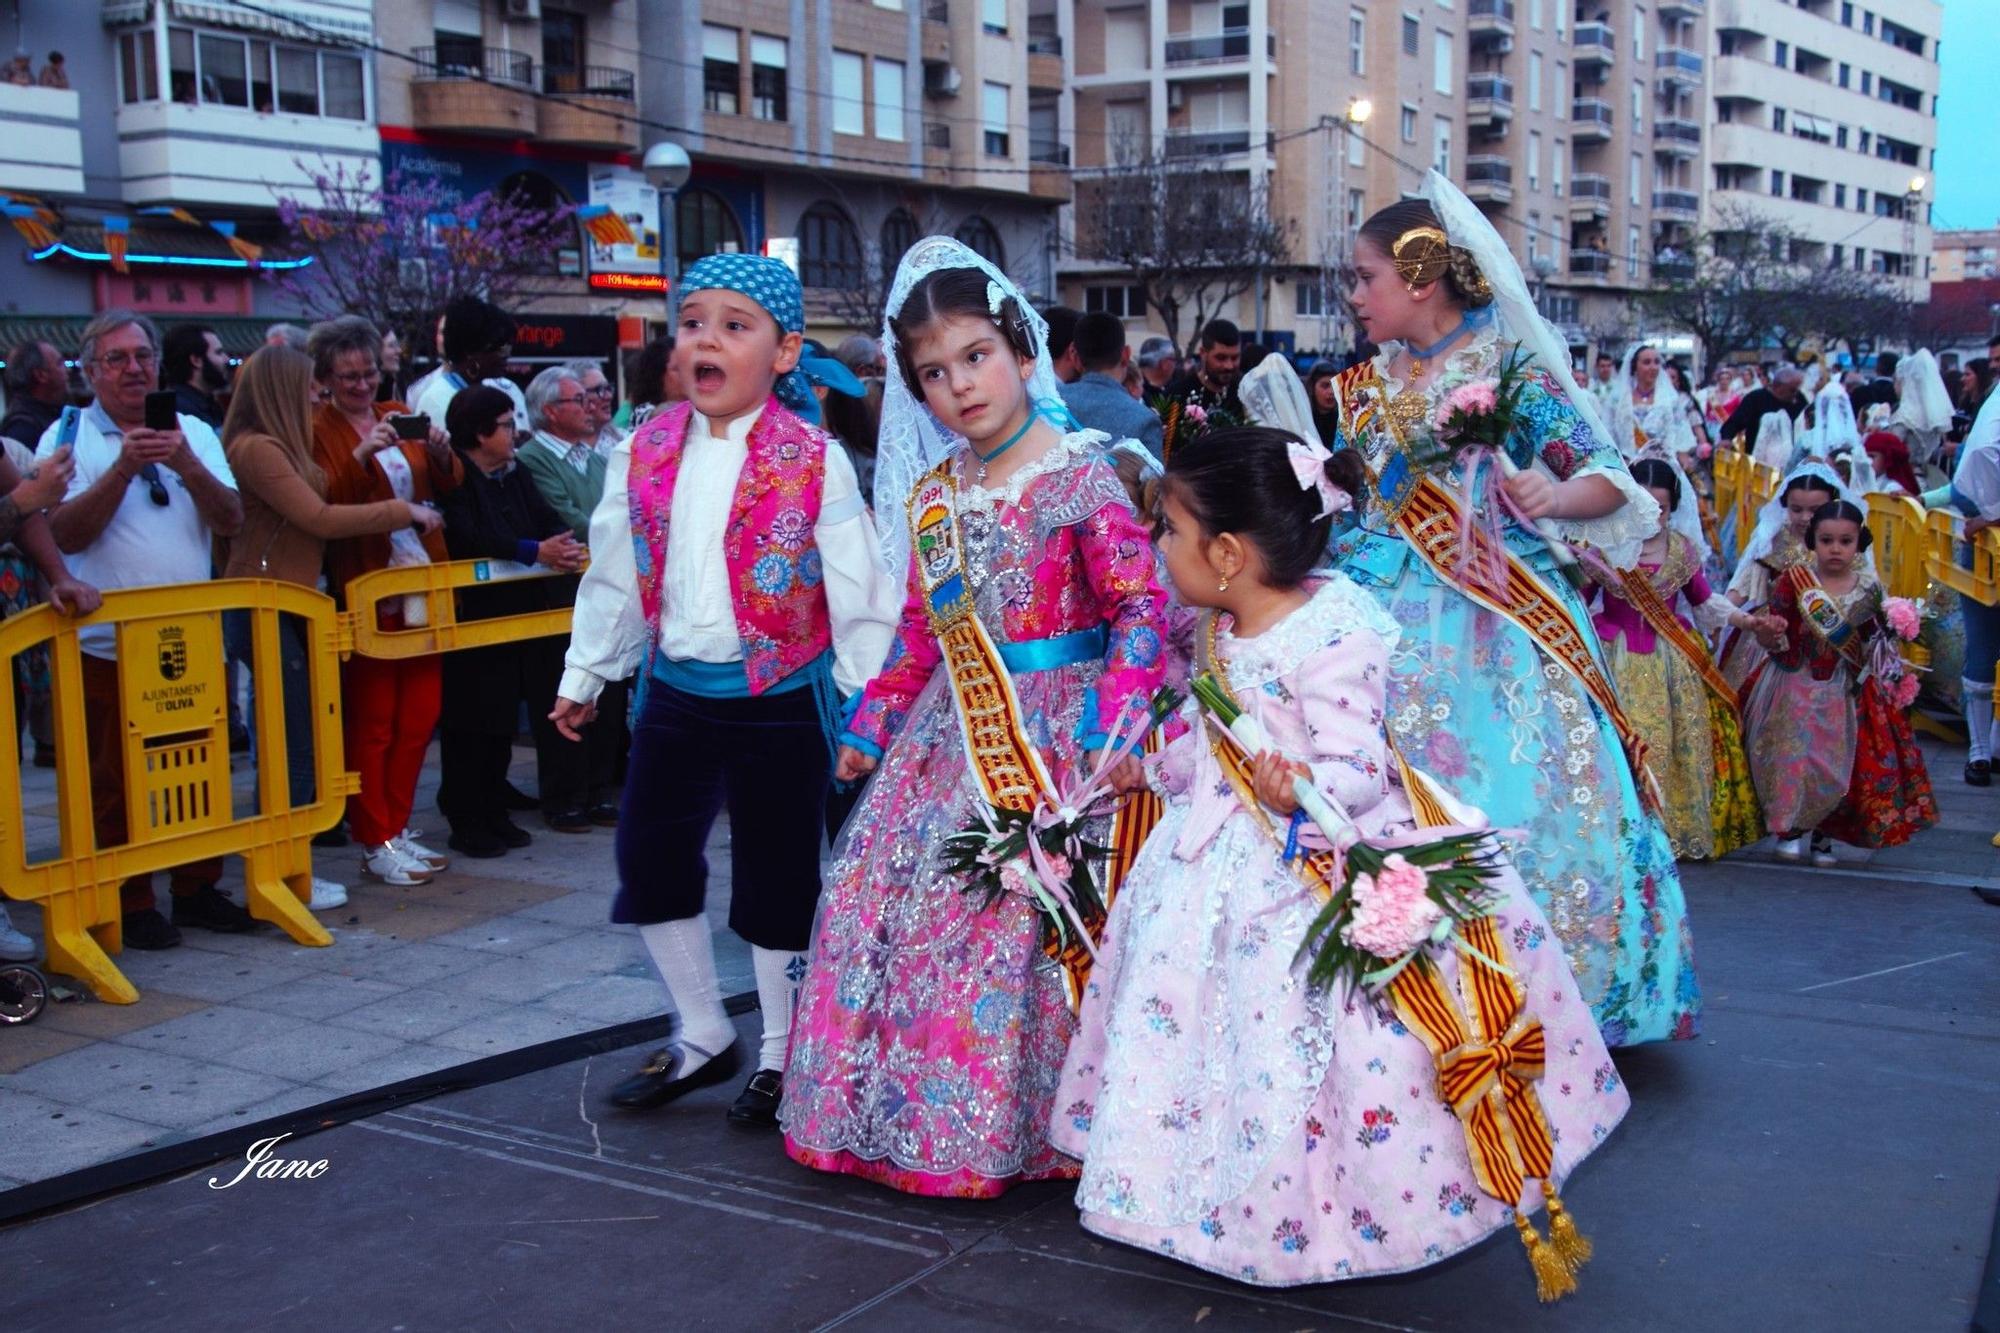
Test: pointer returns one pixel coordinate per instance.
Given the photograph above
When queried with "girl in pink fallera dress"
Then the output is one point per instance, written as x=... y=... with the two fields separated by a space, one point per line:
x=932 y=1025
x=1229 y=1113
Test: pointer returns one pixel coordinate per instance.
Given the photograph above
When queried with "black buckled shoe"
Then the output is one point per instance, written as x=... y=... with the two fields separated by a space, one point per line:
x=757 y=1106
x=1979 y=773
x=661 y=1080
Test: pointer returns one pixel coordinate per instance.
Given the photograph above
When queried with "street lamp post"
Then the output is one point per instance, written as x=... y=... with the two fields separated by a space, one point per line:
x=1359 y=109
x=667 y=169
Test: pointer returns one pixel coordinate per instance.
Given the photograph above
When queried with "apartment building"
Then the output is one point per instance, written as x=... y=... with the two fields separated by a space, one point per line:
x=1965 y=255
x=210 y=109
x=1823 y=117
x=1576 y=129
x=839 y=131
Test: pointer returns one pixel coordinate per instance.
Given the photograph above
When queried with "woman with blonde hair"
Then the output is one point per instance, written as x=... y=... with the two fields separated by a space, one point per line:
x=287 y=522
x=392 y=706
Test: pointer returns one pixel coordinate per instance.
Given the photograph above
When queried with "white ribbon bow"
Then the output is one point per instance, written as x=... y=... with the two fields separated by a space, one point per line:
x=1309 y=459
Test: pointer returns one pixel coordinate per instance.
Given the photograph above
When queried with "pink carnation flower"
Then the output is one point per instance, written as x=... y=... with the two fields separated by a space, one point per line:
x=1059 y=867
x=1196 y=413
x=1393 y=911
x=1901 y=613
x=1906 y=689
x=1474 y=399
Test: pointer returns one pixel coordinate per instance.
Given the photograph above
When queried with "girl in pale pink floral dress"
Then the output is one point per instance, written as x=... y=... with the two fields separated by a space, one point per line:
x=932 y=1025
x=1230 y=1114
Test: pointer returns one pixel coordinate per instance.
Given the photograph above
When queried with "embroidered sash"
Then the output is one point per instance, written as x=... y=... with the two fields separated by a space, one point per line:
x=1488 y=1054
x=1636 y=588
x=1010 y=770
x=1428 y=517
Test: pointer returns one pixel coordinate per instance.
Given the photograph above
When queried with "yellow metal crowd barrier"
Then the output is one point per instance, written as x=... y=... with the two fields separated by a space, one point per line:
x=1980 y=578
x=442 y=631
x=179 y=800
x=1742 y=487
x=1902 y=544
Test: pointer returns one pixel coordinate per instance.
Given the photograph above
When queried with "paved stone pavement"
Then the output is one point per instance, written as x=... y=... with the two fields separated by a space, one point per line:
x=1823 y=1158
x=507 y=953
x=230 y=1029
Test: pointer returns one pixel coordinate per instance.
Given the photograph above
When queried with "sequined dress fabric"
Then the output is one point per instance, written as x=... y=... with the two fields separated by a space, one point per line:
x=931 y=1027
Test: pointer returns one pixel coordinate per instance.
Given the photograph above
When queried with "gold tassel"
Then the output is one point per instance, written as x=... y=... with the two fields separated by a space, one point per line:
x=1552 y=1280
x=1570 y=1245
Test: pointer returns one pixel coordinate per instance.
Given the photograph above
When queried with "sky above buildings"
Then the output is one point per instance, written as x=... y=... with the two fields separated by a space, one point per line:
x=1968 y=158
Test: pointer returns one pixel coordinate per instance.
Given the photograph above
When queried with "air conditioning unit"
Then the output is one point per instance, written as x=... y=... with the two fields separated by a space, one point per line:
x=1502 y=46
x=1176 y=96
x=523 y=10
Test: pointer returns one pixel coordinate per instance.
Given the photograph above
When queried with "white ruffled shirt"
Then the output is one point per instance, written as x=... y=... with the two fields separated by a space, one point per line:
x=697 y=611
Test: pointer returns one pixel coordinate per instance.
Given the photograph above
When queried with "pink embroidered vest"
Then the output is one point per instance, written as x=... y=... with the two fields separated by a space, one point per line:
x=775 y=581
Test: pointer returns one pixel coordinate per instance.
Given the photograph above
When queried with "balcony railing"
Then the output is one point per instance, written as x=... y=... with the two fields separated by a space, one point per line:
x=937 y=11
x=1209 y=143
x=1594 y=41
x=1678 y=64
x=1489 y=177
x=1048 y=154
x=1495 y=88
x=1678 y=269
x=1499 y=10
x=470 y=60
x=589 y=81
x=1587 y=263
x=1682 y=202
x=1044 y=44
x=1215 y=47
x=937 y=134
x=1590 y=188
x=1674 y=132
x=1591 y=115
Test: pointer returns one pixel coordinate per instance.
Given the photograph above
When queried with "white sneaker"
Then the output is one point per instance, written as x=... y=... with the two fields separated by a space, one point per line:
x=406 y=843
x=1822 y=853
x=1792 y=849
x=14 y=946
x=326 y=895
x=388 y=864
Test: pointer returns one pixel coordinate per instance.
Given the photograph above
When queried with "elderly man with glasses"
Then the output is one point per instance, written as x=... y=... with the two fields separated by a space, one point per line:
x=142 y=509
x=569 y=468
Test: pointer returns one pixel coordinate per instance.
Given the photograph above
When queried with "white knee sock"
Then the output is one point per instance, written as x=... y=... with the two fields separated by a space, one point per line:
x=779 y=972
x=685 y=956
x=1978 y=720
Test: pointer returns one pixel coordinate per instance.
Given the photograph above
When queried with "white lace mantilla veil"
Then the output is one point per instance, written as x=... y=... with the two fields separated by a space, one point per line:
x=1274 y=396
x=1686 y=518
x=912 y=440
x=1923 y=406
x=1620 y=533
x=1772 y=516
x=1833 y=425
x=1625 y=421
x=1774 y=445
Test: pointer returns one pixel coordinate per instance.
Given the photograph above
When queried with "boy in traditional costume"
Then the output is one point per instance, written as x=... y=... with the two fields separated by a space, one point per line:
x=733 y=557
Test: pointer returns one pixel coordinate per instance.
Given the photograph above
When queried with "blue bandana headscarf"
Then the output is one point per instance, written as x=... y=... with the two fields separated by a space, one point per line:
x=772 y=285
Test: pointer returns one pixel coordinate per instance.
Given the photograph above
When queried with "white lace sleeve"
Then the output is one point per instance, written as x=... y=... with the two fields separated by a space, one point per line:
x=1712 y=616
x=1619 y=533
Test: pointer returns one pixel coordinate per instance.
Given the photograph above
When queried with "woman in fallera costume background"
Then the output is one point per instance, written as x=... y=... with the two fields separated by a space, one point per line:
x=1512 y=707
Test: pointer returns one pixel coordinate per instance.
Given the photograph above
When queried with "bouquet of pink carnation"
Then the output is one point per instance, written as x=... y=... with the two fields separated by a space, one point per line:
x=1481 y=413
x=1389 y=898
x=1904 y=617
x=1042 y=855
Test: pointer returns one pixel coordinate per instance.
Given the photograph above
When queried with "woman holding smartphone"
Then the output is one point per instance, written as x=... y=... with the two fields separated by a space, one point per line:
x=373 y=451
x=287 y=523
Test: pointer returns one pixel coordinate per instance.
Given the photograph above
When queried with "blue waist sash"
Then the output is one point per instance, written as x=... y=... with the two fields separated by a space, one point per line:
x=1063 y=650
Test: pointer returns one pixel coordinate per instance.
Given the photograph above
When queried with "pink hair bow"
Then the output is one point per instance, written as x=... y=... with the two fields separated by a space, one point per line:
x=1309 y=459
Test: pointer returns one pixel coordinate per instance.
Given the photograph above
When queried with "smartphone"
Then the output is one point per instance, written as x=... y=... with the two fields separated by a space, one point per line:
x=66 y=426
x=410 y=426
x=160 y=410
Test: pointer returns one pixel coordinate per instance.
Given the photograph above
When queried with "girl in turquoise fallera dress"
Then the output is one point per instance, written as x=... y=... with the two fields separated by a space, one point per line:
x=1474 y=698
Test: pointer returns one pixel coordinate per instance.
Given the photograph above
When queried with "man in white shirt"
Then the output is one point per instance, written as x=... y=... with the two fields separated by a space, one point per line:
x=141 y=510
x=478 y=342
x=602 y=400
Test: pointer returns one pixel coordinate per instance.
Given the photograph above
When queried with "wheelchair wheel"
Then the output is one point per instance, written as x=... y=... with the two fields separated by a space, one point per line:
x=23 y=993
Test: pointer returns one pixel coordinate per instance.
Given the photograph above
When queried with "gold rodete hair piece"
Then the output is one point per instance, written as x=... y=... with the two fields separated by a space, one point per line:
x=1425 y=254
x=1421 y=255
